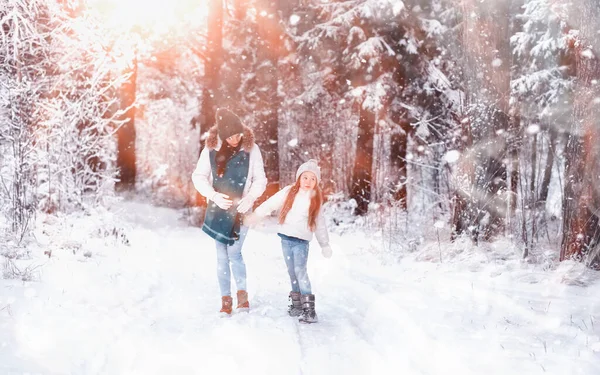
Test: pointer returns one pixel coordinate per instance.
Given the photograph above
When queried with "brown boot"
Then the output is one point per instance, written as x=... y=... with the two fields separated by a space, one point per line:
x=242 y=297
x=227 y=303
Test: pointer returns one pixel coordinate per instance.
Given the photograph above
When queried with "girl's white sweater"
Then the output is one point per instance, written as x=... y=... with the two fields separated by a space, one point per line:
x=296 y=221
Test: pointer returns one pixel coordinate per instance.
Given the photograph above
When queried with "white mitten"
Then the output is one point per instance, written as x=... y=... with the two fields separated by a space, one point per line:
x=222 y=201
x=245 y=204
x=326 y=251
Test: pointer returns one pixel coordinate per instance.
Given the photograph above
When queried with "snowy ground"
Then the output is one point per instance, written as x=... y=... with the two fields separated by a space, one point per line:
x=150 y=307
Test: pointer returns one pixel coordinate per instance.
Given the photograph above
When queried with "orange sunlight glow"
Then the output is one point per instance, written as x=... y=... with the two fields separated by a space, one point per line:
x=154 y=17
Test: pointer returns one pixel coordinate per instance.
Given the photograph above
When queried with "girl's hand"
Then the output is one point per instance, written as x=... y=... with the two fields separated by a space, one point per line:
x=326 y=251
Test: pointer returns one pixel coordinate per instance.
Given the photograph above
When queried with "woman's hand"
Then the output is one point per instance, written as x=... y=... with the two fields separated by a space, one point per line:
x=245 y=204
x=222 y=201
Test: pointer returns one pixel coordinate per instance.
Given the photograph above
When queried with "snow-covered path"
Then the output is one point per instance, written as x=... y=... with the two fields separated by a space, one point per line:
x=151 y=308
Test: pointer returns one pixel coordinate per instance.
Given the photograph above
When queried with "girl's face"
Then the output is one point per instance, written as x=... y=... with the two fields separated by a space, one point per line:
x=234 y=140
x=308 y=181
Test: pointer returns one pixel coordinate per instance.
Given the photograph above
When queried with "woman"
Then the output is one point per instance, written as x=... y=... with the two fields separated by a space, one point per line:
x=230 y=174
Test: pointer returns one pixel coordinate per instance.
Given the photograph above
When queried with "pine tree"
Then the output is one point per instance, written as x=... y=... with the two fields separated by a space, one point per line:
x=581 y=198
x=481 y=196
x=374 y=58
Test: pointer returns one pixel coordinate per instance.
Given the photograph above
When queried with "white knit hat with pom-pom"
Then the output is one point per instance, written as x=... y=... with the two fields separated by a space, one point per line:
x=310 y=166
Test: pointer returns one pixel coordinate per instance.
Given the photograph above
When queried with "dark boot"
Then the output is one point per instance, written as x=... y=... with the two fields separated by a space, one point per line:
x=227 y=304
x=242 y=297
x=295 y=309
x=308 y=309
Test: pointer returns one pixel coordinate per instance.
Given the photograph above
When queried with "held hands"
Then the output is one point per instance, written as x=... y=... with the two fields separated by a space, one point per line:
x=326 y=251
x=245 y=204
x=222 y=201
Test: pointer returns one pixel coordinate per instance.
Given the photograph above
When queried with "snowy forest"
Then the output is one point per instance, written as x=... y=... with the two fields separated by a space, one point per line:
x=439 y=125
x=476 y=116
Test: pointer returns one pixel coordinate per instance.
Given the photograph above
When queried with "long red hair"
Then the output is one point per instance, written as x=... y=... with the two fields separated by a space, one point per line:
x=316 y=201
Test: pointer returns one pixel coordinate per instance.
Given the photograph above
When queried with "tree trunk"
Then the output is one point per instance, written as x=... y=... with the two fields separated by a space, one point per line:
x=267 y=131
x=515 y=137
x=20 y=137
x=580 y=224
x=267 y=138
x=513 y=152
x=487 y=84
x=211 y=79
x=532 y=182
x=545 y=187
x=581 y=199
x=126 y=162
x=210 y=91
x=363 y=163
x=399 y=145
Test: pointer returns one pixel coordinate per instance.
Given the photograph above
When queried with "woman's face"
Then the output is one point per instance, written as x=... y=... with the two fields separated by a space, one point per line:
x=308 y=181
x=234 y=140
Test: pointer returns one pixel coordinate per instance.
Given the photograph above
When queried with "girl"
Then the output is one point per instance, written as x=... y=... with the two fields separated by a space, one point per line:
x=231 y=175
x=300 y=216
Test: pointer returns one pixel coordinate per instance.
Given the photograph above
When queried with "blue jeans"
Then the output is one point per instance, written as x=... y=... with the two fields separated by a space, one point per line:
x=227 y=255
x=295 y=253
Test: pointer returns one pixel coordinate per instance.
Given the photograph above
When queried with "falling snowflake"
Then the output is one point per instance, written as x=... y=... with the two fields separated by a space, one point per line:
x=533 y=129
x=294 y=19
x=452 y=156
x=293 y=142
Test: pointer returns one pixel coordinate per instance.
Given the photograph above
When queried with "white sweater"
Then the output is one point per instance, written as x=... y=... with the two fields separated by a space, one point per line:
x=296 y=221
x=255 y=183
